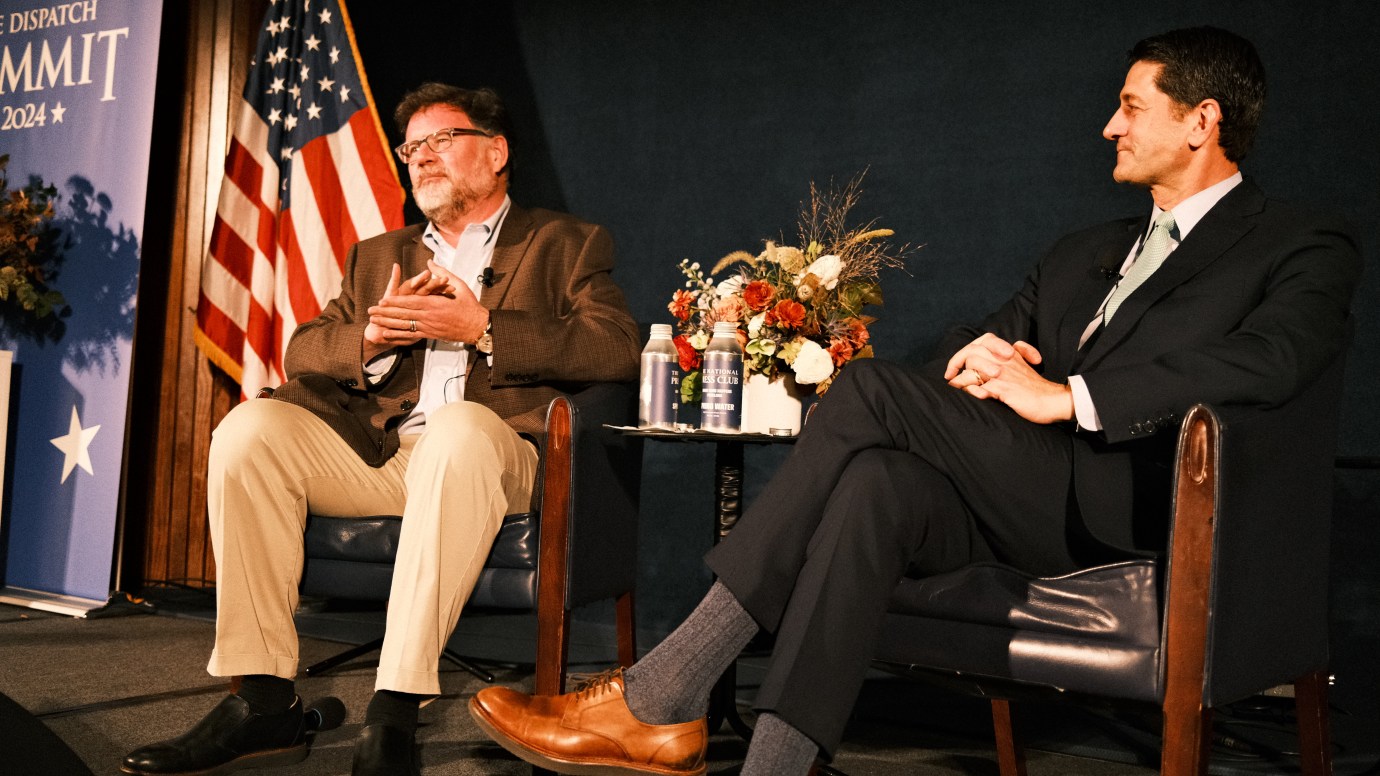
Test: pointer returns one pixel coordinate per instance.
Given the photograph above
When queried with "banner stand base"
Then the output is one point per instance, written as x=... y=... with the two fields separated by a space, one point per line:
x=49 y=602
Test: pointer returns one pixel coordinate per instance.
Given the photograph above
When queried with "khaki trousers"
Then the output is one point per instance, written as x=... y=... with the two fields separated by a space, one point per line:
x=271 y=462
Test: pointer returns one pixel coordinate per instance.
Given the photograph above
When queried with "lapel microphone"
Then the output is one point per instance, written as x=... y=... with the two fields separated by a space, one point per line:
x=486 y=278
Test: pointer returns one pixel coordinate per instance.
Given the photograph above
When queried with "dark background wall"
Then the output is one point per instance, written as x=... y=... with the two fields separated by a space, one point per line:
x=693 y=129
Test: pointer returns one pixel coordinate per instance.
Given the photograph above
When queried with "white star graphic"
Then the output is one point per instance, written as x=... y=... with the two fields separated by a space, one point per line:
x=274 y=116
x=290 y=122
x=344 y=94
x=75 y=446
x=285 y=23
x=272 y=28
x=277 y=56
x=325 y=16
x=58 y=110
x=312 y=43
x=335 y=55
x=313 y=112
x=276 y=87
x=305 y=71
x=325 y=84
x=295 y=91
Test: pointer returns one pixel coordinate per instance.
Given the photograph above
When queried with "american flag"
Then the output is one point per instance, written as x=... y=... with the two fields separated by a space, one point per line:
x=308 y=174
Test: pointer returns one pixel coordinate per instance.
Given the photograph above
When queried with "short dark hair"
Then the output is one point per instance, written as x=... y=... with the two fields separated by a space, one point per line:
x=1201 y=63
x=483 y=106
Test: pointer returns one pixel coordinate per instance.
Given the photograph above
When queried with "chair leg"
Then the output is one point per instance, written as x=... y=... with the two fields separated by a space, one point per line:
x=1187 y=741
x=474 y=670
x=553 y=650
x=627 y=630
x=316 y=669
x=1010 y=755
x=1315 y=740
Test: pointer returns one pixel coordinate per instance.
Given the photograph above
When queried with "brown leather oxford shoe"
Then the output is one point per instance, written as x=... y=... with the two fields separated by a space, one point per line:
x=589 y=732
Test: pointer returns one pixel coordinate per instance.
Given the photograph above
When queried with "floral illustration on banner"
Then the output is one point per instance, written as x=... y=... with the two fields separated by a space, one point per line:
x=799 y=310
x=27 y=264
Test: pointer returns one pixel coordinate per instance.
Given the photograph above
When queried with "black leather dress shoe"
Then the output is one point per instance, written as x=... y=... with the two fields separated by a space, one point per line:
x=383 y=750
x=231 y=737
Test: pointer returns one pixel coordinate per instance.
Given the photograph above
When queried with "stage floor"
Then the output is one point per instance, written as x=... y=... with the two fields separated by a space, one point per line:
x=105 y=686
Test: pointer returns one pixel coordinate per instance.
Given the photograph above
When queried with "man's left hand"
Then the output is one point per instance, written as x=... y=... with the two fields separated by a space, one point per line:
x=456 y=316
x=991 y=368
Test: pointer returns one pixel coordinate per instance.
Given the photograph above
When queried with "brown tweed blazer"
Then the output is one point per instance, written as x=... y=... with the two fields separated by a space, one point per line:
x=558 y=322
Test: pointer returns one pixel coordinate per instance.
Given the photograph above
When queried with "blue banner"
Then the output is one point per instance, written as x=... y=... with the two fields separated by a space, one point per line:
x=76 y=110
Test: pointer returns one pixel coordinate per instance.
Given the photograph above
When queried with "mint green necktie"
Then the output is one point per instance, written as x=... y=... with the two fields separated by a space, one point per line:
x=1152 y=255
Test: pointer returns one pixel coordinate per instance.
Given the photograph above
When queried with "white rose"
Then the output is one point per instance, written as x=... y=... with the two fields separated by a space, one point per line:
x=733 y=285
x=755 y=325
x=812 y=364
x=826 y=268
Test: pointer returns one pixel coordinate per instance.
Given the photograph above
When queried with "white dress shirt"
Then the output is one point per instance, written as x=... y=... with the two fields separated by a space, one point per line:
x=1187 y=214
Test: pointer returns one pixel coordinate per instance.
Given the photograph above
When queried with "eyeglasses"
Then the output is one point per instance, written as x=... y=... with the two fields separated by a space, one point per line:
x=437 y=141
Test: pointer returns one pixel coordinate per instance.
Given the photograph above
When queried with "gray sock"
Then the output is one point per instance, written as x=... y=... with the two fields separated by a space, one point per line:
x=777 y=749
x=671 y=683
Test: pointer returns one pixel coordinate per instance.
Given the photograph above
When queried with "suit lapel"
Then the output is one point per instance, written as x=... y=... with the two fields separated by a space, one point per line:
x=416 y=256
x=1095 y=287
x=514 y=238
x=413 y=261
x=1223 y=226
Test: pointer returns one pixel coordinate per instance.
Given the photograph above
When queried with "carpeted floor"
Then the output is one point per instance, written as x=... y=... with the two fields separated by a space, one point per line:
x=104 y=686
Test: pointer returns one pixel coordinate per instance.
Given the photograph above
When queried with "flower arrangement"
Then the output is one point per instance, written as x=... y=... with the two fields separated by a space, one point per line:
x=799 y=311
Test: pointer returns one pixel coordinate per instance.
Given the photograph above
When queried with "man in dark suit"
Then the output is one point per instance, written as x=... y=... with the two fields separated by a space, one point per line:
x=1040 y=438
x=418 y=391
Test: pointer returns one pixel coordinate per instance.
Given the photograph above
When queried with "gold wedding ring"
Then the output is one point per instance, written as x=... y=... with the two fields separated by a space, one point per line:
x=412 y=325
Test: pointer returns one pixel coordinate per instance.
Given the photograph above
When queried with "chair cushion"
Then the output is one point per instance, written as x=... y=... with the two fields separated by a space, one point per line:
x=375 y=540
x=1093 y=631
x=1117 y=602
x=353 y=558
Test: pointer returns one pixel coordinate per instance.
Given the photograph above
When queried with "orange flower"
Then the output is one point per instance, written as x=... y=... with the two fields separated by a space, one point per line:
x=687 y=355
x=787 y=314
x=758 y=295
x=729 y=308
x=841 y=351
x=857 y=334
x=680 y=304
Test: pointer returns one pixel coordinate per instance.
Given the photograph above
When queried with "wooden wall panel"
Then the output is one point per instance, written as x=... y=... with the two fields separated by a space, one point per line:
x=166 y=503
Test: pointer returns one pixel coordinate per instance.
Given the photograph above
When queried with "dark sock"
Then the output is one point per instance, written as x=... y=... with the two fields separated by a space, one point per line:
x=778 y=749
x=394 y=709
x=267 y=694
x=671 y=683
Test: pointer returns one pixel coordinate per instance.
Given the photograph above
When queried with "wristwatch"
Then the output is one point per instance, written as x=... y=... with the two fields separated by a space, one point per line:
x=485 y=343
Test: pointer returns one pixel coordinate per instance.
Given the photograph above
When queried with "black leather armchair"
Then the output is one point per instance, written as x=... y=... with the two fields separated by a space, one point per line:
x=578 y=544
x=1238 y=606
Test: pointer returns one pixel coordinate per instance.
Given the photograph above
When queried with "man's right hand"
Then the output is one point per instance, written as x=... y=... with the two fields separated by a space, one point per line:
x=992 y=368
x=378 y=338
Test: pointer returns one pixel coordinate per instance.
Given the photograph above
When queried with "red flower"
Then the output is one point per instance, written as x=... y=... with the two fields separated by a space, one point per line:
x=758 y=294
x=680 y=304
x=787 y=314
x=689 y=357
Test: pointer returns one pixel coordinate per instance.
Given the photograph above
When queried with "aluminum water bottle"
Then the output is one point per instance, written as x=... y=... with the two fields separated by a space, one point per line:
x=721 y=381
x=658 y=394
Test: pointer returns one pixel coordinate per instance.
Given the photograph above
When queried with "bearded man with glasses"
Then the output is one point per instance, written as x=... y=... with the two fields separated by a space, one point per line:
x=415 y=392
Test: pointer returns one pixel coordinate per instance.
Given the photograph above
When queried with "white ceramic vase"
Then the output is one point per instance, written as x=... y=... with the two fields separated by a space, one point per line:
x=771 y=404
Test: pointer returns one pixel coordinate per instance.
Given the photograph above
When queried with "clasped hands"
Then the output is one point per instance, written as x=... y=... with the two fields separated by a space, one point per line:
x=431 y=305
x=992 y=368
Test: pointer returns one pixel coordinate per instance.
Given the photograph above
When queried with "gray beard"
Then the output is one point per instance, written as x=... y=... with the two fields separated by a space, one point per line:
x=444 y=204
